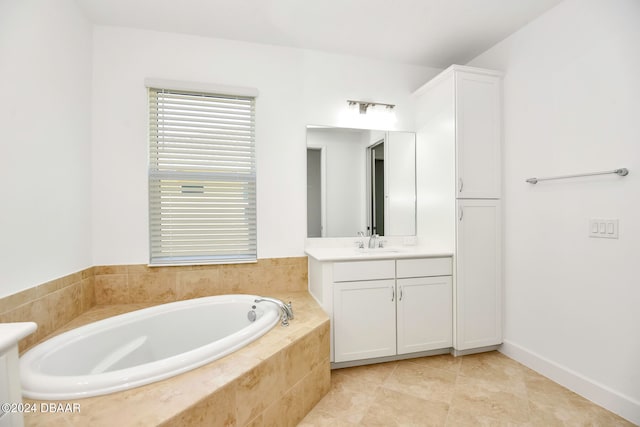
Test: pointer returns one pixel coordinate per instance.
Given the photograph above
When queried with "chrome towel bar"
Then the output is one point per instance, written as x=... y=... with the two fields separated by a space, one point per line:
x=620 y=172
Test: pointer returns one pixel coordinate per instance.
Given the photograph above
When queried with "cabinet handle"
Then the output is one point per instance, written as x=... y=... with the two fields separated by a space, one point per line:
x=461 y=214
x=460 y=185
x=393 y=294
x=400 y=297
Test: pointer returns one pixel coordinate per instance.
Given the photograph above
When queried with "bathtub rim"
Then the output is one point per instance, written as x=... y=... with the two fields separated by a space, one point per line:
x=136 y=376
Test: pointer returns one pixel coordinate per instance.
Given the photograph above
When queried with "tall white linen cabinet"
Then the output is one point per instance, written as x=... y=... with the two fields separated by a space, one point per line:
x=458 y=181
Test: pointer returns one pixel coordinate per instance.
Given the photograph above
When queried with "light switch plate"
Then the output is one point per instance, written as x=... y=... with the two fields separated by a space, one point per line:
x=603 y=228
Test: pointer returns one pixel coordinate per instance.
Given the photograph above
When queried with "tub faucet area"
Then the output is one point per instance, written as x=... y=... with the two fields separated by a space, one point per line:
x=286 y=309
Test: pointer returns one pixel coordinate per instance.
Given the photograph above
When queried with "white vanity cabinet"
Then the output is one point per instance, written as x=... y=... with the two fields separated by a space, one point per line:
x=424 y=316
x=386 y=308
x=364 y=320
x=364 y=311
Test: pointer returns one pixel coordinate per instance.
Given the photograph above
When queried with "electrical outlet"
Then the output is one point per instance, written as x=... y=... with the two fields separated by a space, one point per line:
x=603 y=228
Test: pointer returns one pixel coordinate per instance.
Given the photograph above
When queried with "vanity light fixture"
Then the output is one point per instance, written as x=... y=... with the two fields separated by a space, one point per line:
x=364 y=105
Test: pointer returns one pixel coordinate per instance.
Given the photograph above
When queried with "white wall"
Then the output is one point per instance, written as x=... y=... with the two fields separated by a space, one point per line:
x=45 y=118
x=297 y=87
x=572 y=104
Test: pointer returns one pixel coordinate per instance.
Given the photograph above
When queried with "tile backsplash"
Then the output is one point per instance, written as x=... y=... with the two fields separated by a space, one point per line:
x=55 y=303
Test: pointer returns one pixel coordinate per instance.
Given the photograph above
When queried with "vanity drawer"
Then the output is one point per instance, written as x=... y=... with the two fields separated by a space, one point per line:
x=422 y=267
x=364 y=270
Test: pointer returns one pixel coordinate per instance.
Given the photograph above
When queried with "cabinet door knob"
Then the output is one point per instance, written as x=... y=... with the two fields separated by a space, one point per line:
x=393 y=294
x=460 y=185
x=461 y=214
x=400 y=297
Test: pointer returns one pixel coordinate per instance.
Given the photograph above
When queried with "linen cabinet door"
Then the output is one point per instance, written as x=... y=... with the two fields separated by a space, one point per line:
x=478 y=136
x=364 y=319
x=478 y=274
x=424 y=314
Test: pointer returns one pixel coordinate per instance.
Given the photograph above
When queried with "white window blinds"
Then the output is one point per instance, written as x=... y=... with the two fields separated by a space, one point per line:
x=202 y=179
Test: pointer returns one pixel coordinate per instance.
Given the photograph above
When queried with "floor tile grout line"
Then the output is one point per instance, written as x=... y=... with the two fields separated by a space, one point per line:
x=453 y=395
x=433 y=367
x=366 y=411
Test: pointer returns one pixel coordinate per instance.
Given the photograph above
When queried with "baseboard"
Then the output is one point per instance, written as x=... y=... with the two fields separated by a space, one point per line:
x=600 y=394
x=352 y=363
x=467 y=352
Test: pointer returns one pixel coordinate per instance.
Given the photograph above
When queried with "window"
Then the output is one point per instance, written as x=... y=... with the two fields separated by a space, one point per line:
x=202 y=179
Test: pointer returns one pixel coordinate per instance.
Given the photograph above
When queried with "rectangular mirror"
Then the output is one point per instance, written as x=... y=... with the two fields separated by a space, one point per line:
x=360 y=180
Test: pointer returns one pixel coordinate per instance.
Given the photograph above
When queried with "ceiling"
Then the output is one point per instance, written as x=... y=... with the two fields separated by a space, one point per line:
x=433 y=33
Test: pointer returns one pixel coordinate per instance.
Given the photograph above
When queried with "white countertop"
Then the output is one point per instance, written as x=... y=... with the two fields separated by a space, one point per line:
x=355 y=254
x=11 y=333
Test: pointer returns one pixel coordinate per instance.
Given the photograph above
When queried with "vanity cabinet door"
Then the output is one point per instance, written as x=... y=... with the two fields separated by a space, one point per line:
x=424 y=314
x=364 y=315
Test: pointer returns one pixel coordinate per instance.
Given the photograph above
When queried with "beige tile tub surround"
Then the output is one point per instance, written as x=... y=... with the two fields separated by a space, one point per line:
x=51 y=304
x=55 y=303
x=128 y=284
x=274 y=381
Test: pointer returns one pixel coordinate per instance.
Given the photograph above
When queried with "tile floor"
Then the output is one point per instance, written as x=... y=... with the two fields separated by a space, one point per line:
x=486 y=389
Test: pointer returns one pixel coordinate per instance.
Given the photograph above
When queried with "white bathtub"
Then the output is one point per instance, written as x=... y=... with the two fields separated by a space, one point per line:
x=142 y=347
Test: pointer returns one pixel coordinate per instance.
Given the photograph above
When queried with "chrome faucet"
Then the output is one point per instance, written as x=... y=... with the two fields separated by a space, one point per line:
x=286 y=309
x=373 y=240
x=360 y=242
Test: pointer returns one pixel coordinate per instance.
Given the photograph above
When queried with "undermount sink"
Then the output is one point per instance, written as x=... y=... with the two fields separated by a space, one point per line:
x=377 y=250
